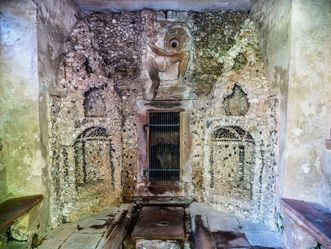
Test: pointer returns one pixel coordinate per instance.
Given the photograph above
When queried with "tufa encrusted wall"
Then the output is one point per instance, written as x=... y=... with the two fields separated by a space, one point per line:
x=117 y=66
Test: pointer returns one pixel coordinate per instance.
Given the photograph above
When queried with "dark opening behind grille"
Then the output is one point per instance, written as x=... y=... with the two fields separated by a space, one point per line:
x=164 y=145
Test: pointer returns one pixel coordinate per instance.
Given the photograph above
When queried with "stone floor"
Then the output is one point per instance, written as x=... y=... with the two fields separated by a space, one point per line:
x=214 y=229
x=157 y=223
x=93 y=232
x=196 y=226
x=162 y=227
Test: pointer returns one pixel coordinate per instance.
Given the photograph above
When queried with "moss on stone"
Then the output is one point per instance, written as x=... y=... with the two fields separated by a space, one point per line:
x=214 y=35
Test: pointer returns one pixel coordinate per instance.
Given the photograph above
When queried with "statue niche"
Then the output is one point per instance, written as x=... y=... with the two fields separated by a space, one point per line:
x=166 y=58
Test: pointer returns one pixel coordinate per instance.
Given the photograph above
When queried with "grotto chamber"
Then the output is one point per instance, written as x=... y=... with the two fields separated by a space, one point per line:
x=164 y=124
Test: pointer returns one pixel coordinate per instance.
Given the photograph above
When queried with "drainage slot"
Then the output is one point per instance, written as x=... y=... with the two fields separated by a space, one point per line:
x=163 y=223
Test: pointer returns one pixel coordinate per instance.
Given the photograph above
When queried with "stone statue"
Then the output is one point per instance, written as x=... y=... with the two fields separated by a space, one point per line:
x=165 y=48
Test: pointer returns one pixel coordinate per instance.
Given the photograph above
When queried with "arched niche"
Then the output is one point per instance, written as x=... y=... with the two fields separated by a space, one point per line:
x=232 y=159
x=94 y=103
x=93 y=157
x=237 y=103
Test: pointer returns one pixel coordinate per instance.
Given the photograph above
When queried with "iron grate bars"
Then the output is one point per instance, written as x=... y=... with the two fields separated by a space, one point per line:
x=164 y=146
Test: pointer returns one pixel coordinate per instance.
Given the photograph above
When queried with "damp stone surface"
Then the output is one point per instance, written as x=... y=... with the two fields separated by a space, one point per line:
x=99 y=107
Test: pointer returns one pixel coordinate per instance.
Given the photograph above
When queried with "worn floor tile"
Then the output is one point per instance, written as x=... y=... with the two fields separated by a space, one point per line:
x=264 y=239
x=62 y=232
x=160 y=223
x=216 y=220
x=81 y=241
x=223 y=223
x=230 y=239
x=249 y=226
x=51 y=244
x=85 y=233
x=214 y=229
x=96 y=225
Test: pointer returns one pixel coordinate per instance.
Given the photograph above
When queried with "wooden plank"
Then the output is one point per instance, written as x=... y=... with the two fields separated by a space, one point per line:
x=12 y=209
x=312 y=217
x=115 y=239
x=114 y=236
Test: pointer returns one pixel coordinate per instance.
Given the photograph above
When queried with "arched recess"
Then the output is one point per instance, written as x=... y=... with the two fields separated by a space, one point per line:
x=232 y=158
x=93 y=158
x=94 y=103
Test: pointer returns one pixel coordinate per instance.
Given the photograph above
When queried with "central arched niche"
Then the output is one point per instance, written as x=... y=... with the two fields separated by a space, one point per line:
x=231 y=162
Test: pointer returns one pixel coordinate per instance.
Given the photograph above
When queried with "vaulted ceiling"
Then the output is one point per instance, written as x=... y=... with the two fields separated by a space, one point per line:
x=196 y=5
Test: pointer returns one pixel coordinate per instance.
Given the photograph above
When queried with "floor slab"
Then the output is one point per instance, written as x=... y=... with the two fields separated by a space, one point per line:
x=230 y=239
x=158 y=244
x=81 y=241
x=213 y=229
x=264 y=239
x=157 y=222
x=92 y=232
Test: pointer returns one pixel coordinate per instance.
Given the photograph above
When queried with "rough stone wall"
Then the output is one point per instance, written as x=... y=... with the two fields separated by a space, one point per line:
x=104 y=71
x=54 y=22
x=255 y=151
x=98 y=80
x=214 y=38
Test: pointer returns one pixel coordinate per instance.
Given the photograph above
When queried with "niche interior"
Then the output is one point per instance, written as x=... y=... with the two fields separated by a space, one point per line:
x=163 y=151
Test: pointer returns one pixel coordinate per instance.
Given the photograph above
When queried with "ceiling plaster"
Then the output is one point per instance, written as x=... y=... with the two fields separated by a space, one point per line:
x=185 y=5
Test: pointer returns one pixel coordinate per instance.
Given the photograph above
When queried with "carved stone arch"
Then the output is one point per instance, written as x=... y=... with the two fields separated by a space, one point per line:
x=93 y=157
x=97 y=132
x=234 y=133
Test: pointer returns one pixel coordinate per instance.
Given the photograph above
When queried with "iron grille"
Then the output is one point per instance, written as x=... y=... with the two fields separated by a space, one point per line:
x=164 y=145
